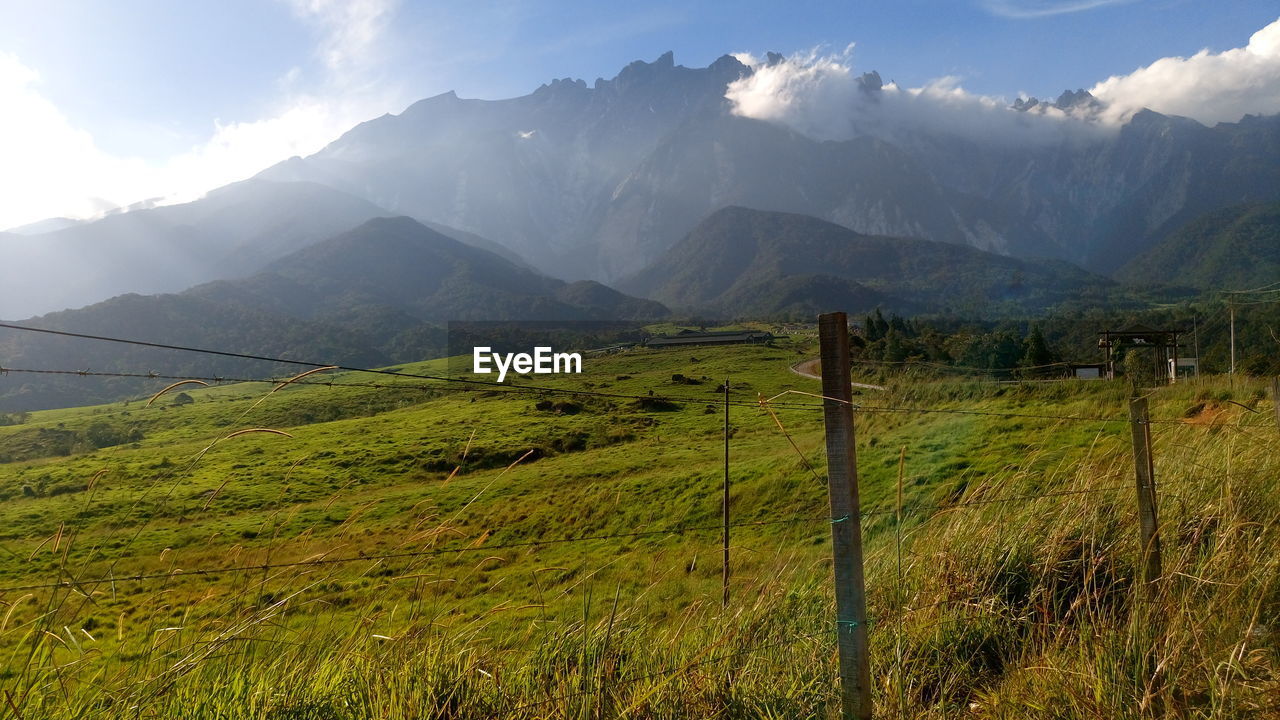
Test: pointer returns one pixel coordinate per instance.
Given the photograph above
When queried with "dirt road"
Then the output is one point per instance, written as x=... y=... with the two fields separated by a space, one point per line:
x=812 y=369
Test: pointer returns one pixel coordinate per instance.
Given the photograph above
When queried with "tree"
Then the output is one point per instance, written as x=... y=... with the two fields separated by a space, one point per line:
x=1036 y=351
x=894 y=349
x=877 y=327
x=1138 y=366
x=897 y=323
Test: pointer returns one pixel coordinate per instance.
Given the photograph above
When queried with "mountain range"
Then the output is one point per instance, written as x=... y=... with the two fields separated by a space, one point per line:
x=463 y=209
x=598 y=181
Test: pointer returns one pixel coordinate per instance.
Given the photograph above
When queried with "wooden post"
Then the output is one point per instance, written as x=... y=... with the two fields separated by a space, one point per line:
x=1149 y=562
x=846 y=524
x=1144 y=469
x=724 y=600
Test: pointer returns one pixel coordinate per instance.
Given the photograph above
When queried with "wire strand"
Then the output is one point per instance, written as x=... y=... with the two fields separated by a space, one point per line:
x=675 y=530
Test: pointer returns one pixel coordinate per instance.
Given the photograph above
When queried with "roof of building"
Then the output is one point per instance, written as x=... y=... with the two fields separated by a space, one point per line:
x=722 y=337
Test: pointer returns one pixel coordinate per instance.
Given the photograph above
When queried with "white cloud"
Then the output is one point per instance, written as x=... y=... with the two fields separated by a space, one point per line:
x=352 y=30
x=52 y=168
x=821 y=96
x=1210 y=87
x=1027 y=9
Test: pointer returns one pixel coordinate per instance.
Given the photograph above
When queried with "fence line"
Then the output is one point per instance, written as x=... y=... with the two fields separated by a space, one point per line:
x=488 y=387
x=502 y=388
x=675 y=530
x=683 y=667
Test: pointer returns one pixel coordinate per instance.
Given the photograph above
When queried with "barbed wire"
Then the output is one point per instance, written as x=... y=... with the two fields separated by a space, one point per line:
x=472 y=547
x=682 y=668
x=994 y=413
x=716 y=399
x=496 y=388
x=473 y=384
x=914 y=508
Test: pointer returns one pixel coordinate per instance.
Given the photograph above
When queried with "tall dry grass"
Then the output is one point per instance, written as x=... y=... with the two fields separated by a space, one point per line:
x=1009 y=596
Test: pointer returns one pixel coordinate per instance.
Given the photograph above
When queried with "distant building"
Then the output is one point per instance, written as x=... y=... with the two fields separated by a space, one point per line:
x=1162 y=346
x=1183 y=368
x=723 y=337
x=1094 y=371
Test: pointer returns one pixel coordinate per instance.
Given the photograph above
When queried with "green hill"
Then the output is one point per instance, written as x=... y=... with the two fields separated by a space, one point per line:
x=742 y=262
x=380 y=293
x=1234 y=248
x=401 y=264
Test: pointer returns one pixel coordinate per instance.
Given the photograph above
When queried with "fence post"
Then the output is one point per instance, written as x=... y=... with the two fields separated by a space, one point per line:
x=1144 y=470
x=846 y=525
x=724 y=600
x=1149 y=562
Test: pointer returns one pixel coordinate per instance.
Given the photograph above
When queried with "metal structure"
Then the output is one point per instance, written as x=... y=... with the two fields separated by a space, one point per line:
x=1162 y=343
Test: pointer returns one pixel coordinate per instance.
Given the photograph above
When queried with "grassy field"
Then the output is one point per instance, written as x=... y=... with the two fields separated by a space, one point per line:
x=416 y=551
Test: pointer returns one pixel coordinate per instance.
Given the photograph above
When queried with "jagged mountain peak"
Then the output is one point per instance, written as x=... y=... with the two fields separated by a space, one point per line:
x=728 y=63
x=1070 y=100
x=596 y=181
x=565 y=84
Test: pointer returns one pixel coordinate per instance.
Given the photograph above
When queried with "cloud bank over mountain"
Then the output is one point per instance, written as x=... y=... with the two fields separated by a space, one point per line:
x=1209 y=87
x=823 y=97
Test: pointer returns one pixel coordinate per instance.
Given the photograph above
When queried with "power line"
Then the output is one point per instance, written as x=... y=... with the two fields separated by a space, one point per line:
x=1263 y=289
x=506 y=387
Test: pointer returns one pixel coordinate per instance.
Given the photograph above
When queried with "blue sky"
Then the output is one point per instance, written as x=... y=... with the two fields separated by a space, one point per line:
x=171 y=98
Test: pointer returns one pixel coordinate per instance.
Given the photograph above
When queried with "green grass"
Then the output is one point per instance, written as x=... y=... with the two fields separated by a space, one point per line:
x=1004 y=609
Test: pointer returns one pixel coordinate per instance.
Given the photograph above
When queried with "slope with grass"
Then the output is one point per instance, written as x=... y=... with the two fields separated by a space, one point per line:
x=1230 y=249
x=751 y=263
x=400 y=552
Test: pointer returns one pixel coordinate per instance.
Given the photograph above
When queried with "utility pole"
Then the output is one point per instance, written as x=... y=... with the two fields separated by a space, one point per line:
x=1232 y=305
x=846 y=519
x=1195 y=334
x=724 y=575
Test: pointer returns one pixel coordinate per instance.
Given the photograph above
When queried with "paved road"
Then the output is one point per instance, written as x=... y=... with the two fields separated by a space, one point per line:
x=812 y=368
